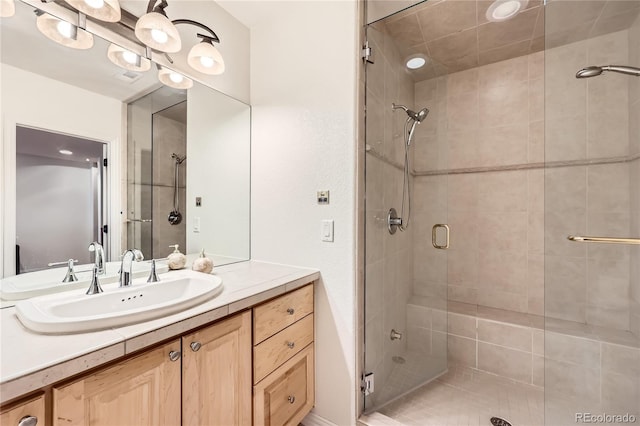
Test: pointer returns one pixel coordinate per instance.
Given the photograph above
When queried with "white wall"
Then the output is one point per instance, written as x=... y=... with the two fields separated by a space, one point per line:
x=218 y=167
x=303 y=93
x=34 y=101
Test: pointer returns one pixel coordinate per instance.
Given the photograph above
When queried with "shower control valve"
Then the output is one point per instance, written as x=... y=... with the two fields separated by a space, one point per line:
x=395 y=335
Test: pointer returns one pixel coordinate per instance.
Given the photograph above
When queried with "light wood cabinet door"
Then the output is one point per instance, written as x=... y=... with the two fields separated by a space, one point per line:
x=141 y=391
x=216 y=374
x=25 y=412
x=287 y=395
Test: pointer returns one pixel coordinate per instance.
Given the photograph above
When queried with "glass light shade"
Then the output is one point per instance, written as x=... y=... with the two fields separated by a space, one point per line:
x=501 y=10
x=55 y=29
x=204 y=57
x=7 y=8
x=174 y=79
x=152 y=28
x=126 y=59
x=104 y=10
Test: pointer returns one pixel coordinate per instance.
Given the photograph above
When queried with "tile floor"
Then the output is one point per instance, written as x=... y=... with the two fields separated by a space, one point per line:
x=467 y=397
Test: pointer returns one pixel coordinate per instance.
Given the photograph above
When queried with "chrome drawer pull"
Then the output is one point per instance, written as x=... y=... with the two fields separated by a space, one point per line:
x=174 y=355
x=195 y=346
x=291 y=399
x=290 y=311
x=28 y=421
x=291 y=344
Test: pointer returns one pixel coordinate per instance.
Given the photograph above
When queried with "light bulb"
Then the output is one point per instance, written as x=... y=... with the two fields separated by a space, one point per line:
x=207 y=61
x=159 y=36
x=506 y=10
x=129 y=57
x=175 y=77
x=96 y=4
x=65 y=152
x=64 y=28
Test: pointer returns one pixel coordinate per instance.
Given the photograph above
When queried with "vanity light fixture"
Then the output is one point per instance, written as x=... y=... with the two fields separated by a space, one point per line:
x=204 y=57
x=7 y=8
x=63 y=32
x=501 y=10
x=173 y=79
x=104 y=10
x=155 y=30
x=127 y=59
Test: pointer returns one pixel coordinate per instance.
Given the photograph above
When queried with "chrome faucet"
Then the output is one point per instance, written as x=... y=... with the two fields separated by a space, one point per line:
x=125 y=276
x=99 y=259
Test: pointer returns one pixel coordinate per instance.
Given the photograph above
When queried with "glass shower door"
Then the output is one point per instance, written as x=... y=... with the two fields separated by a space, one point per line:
x=405 y=274
x=592 y=178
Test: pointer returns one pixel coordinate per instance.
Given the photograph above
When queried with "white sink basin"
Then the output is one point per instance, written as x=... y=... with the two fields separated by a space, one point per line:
x=74 y=311
x=49 y=281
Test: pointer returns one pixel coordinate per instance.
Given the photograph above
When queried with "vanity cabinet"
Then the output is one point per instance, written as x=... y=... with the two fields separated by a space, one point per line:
x=283 y=359
x=214 y=379
x=143 y=391
x=28 y=413
x=216 y=374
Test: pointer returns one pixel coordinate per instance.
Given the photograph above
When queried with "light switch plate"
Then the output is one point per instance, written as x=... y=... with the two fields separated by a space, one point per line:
x=326 y=233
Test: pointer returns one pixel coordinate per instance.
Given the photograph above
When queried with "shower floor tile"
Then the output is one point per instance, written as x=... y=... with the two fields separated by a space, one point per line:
x=467 y=397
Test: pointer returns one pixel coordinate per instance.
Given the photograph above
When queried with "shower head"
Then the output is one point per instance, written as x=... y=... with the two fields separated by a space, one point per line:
x=594 y=71
x=416 y=116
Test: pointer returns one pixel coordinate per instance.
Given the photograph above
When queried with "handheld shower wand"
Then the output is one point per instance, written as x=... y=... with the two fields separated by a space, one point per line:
x=594 y=71
x=393 y=220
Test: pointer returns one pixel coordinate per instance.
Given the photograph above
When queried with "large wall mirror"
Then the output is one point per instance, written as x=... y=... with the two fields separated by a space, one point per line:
x=81 y=136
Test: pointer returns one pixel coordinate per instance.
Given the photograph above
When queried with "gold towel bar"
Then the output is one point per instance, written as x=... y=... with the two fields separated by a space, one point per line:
x=605 y=240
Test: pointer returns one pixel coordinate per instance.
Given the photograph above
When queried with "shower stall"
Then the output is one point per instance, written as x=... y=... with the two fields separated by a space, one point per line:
x=529 y=311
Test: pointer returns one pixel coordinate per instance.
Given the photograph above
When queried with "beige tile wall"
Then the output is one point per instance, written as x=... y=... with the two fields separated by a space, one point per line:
x=483 y=117
x=169 y=136
x=587 y=119
x=508 y=234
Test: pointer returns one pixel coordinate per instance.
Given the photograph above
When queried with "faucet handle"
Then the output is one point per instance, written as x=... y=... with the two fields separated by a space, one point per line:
x=153 y=277
x=94 y=287
x=71 y=275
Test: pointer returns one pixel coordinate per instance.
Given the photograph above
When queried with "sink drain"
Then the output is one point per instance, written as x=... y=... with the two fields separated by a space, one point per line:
x=398 y=360
x=497 y=421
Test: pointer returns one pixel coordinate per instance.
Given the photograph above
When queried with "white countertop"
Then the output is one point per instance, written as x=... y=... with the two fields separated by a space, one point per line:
x=30 y=361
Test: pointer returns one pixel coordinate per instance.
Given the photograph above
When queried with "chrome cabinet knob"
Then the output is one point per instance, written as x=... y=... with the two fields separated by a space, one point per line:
x=290 y=311
x=195 y=346
x=174 y=355
x=291 y=344
x=28 y=421
x=291 y=399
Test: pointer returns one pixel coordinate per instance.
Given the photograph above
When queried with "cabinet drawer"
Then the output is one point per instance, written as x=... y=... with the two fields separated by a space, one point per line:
x=32 y=408
x=271 y=317
x=274 y=351
x=286 y=395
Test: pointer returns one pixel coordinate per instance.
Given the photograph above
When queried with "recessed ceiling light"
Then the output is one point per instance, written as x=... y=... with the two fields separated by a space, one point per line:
x=501 y=10
x=415 y=62
x=65 y=152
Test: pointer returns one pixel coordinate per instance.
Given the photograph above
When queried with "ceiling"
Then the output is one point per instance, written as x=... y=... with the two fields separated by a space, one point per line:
x=48 y=144
x=24 y=47
x=456 y=35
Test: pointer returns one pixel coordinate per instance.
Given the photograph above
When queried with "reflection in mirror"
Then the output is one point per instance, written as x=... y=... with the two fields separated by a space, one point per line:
x=72 y=198
x=81 y=94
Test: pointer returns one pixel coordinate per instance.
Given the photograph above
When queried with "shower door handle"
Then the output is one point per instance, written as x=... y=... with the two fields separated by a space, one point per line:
x=434 y=236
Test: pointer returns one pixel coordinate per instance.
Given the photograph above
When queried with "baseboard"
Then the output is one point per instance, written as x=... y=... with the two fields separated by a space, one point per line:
x=312 y=419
